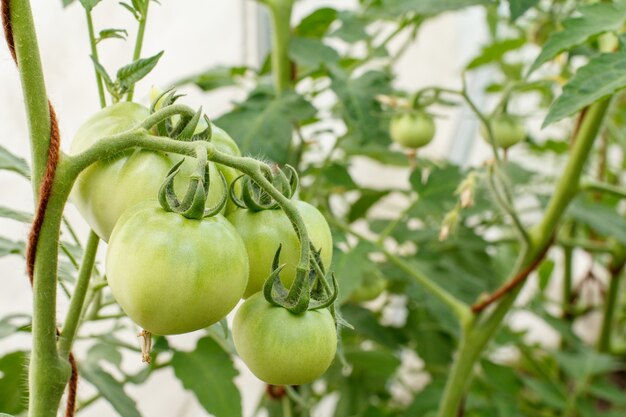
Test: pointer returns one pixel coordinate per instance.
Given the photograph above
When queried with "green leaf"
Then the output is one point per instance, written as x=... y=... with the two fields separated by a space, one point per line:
x=437 y=192
x=602 y=219
x=108 y=82
x=350 y=268
x=593 y=19
x=518 y=7
x=111 y=389
x=430 y=7
x=112 y=34
x=585 y=364
x=106 y=352
x=545 y=272
x=359 y=107
x=11 y=162
x=366 y=201
x=263 y=124
x=89 y=4
x=9 y=327
x=317 y=23
x=216 y=77
x=9 y=247
x=601 y=77
x=127 y=76
x=208 y=372
x=311 y=52
x=352 y=28
x=495 y=52
x=13 y=382
x=20 y=216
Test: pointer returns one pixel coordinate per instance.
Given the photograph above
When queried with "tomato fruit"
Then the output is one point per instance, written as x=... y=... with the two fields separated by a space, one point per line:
x=264 y=231
x=372 y=286
x=175 y=275
x=104 y=190
x=412 y=130
x=507 y=131
x=282 y=348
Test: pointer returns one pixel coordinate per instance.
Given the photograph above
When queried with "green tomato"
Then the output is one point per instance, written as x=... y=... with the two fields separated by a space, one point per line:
x=372 y=286
x=175 y=275
x=412 y=130
x=263 y=231
x=282 y=348
x=507 y=131
x=104 y=190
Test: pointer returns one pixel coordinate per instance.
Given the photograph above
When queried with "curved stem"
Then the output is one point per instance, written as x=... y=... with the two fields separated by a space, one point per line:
x=80 y=290
x=139 y=42
x=541 y=239
x=33 y=87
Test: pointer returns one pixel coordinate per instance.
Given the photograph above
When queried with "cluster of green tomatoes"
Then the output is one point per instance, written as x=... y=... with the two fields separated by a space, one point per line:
x=174 y=274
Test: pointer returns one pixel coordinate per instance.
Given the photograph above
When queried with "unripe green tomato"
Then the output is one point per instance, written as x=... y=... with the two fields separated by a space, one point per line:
x=372 y=286
x=412 y=130
x=107 y=188
x=507 y=131
x=175 y=275
x=282 y=348
x=263 y=232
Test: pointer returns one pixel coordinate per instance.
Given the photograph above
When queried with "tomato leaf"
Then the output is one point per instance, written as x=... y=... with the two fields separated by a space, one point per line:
x=112 y=34
x=317 y=23
x=20 y=216
x=13 y=385
x=208 y=372
x=110 y=389
x=495 y=52
x=310 y=52
x=89 y=4
x=11 y=162
x=127 y=76
x=601 y=77
x=9 y=247
x=263 y=124
x=429 y=7
x=600 y=218
x=594 y=19
x=518 y=7
x=216 y=77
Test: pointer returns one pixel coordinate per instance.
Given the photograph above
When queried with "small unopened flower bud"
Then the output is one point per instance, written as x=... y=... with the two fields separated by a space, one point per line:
x=449 y=224
x=466 y=190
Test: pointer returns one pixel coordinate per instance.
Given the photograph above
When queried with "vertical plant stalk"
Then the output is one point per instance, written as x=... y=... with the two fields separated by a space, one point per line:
x=616 y=269
x=33 y=86
x=94 y=53
x=139 y=42
x=280 y=11
x=476 y=336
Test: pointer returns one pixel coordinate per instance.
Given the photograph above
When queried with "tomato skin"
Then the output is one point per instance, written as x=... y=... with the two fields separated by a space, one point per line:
x=507 y=131
x=263 y=231
x=372 y=286
x=282 y=348
x=107 y=188
x=175 y=275
x=412 y=130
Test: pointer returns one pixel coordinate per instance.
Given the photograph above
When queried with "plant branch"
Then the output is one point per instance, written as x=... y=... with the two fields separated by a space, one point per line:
x=143 y=18
x=94 y=54
x=616 y=271
x=280 y=11
x=601 y=187
x=78 y=298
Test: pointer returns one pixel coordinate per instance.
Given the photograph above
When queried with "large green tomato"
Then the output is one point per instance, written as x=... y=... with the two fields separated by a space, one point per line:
x=412 y=130
x=507 y=131
x=282 y=348
x=263 y=231
x=175 y=275
x=107 y=188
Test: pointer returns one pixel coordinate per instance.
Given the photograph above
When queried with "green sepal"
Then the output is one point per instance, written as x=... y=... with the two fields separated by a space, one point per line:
x=187 y=133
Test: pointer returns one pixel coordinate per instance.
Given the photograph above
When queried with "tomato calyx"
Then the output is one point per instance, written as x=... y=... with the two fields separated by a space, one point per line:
x=183 y=127
x=254 y=198
x=310 y=289
x=192 y=206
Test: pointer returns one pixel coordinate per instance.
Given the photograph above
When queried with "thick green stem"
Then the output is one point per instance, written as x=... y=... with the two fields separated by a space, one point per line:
x=78 y=298
x=616 y=268
x=33 y=86
x=280 y=11
x=541 y=239
x=49 y=372
x=139 y=42
x=94 y=53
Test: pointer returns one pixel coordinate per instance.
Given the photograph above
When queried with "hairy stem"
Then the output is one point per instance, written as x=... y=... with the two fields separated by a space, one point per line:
x=139 y=43
x=280 y=11
x=94 y=53
x=78 y=298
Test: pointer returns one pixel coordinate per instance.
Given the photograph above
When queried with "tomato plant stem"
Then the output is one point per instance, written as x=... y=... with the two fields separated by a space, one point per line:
x=616 y=269
x=78 y=298
x=94 y=53
x=143 y=18
x=476 y=336
x=280 y=11
x=33 y=87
